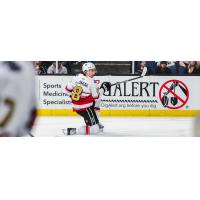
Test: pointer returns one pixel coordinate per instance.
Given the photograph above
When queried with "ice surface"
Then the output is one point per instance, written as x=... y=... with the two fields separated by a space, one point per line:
x=119 y=126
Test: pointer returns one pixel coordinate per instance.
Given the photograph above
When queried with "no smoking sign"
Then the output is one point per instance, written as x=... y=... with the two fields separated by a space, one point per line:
x=174 y=94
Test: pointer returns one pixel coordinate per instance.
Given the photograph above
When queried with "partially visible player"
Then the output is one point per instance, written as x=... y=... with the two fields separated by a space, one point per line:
x=84 y=92
x=17 y=98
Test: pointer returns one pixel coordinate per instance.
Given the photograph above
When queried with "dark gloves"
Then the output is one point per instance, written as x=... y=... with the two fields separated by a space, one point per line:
x=106 y=86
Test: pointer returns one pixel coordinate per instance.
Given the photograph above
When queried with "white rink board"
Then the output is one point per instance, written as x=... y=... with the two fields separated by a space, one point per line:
x=142 y=94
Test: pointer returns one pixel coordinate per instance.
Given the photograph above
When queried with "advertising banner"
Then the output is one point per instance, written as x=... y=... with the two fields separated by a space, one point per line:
x=149 y=95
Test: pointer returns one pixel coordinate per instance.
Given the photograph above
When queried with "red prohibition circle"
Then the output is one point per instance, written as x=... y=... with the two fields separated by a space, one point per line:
x=187 y=93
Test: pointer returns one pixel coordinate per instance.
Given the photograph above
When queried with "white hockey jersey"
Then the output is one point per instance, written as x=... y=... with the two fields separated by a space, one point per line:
x=17 y=98
x=83 y=91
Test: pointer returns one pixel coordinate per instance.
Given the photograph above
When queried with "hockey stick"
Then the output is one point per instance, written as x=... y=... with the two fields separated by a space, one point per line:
x=143 y=74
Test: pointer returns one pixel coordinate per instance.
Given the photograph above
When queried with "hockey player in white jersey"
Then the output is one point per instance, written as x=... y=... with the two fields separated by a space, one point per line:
x=84 y=93
x=17 y=98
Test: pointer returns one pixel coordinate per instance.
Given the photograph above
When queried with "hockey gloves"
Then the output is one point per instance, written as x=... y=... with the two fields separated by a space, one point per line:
x=106 y=86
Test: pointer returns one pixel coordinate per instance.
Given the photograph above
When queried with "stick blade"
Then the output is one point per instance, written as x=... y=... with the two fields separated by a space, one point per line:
x=144 y=71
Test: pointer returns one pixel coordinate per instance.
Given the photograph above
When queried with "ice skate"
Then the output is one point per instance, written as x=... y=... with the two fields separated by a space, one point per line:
x=101 y=127
x=71 y=131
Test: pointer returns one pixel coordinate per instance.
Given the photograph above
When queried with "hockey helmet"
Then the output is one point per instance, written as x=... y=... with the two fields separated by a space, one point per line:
x=87 y=66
